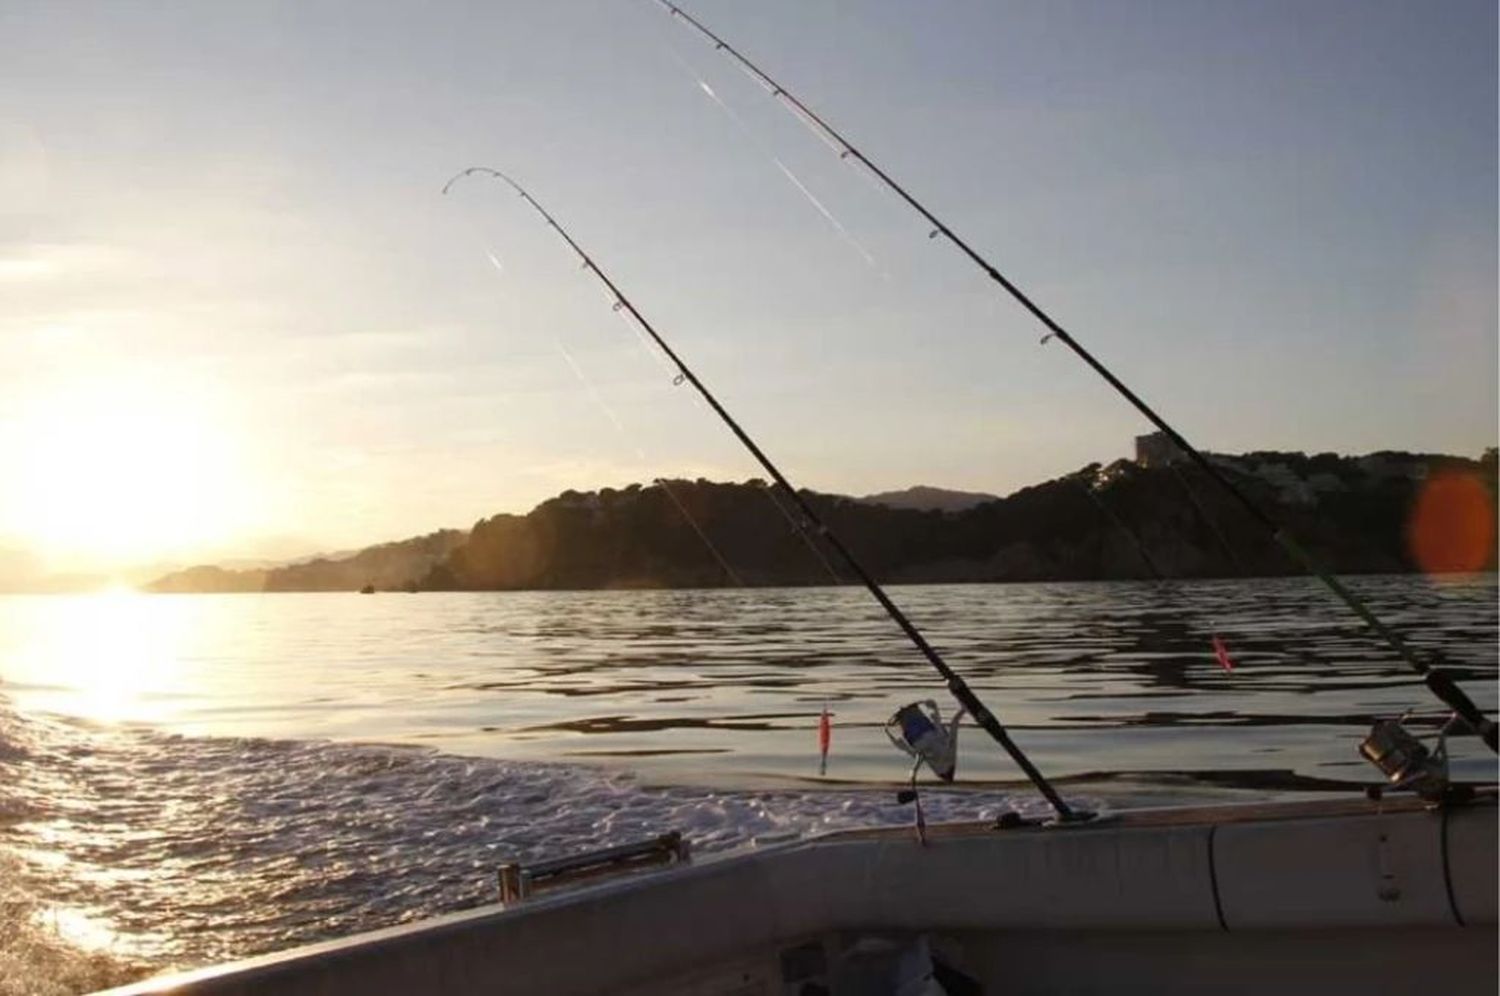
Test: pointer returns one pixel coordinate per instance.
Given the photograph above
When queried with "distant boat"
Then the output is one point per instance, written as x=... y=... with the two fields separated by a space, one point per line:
x=368 y=589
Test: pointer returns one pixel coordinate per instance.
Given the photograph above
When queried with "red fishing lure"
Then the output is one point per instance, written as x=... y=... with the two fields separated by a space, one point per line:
x=825 y=737
x=1222 y=653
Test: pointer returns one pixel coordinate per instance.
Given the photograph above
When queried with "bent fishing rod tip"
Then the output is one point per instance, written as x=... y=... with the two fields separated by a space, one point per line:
x=490 y=170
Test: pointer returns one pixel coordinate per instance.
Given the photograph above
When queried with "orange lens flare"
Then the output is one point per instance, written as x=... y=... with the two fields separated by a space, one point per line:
x=1452 y=525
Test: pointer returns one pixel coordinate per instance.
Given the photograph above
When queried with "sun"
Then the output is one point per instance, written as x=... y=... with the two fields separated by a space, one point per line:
x=114 y=473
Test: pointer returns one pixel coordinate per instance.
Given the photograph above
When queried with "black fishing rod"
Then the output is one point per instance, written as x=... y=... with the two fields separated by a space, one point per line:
x=956 y=685
x=1439 y=681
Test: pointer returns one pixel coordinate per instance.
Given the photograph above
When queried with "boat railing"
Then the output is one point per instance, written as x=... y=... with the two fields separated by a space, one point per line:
x=518 y=881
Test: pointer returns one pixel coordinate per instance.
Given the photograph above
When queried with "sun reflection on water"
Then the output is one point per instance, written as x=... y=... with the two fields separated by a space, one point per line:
x=109 y=657
x=78 y=928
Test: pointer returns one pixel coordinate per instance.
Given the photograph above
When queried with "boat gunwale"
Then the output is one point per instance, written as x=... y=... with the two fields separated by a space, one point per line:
x=1166 y=817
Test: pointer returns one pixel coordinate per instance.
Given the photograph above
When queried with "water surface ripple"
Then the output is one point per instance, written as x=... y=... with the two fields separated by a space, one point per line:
x=188 y=778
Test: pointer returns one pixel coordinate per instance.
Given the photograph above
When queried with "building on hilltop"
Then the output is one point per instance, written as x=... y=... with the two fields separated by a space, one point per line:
x=1156 y=450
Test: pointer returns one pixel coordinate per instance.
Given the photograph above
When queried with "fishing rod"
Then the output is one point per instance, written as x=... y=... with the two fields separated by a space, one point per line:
x=956 y=684
x=1437 y=680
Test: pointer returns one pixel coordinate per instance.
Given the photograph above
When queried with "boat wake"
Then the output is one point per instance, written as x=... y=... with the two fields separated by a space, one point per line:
x=132 y=850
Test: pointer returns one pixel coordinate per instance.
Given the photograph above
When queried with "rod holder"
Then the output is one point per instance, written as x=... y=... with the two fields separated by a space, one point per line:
x=518 y=881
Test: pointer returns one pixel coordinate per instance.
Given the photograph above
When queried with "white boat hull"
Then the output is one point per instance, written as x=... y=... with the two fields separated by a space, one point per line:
x=1332 y=896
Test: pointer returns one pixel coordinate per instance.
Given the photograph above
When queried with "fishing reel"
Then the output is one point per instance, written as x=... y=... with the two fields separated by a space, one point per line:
x=917 y=731
x=1406 y=761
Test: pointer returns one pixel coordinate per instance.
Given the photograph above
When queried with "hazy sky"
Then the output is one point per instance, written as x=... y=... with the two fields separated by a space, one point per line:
x=239 y=318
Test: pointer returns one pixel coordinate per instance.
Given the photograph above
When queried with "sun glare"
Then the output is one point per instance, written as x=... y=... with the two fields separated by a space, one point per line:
x=119 y=473
x=109 y=656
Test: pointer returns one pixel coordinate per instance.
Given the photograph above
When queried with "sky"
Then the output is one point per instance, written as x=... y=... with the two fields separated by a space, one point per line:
x=241 y=321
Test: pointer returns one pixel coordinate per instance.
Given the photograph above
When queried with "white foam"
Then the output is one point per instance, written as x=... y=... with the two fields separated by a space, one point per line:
x=193 y=849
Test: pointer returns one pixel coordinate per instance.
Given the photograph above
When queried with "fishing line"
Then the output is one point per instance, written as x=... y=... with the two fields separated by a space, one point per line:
x=1213 y=523
x=640 y=453
x=672 y=494
x=814 y=124
x=1438 y=681
x=1120 y=524
x=588 y=386
x=786 y=171
x=677 y=381
x=661 y=361
x=800 y=528
x=956 y=684
x=1161 y=581
x=614 y=419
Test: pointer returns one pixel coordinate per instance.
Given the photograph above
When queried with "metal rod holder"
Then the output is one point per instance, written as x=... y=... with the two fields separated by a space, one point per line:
x=518 y=881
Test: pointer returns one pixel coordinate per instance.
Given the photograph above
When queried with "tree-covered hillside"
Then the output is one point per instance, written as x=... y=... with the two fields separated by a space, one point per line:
x=1101 y=522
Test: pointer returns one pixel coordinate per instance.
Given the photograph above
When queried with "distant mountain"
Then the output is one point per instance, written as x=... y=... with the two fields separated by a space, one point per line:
x=21 y=572
x=210 y=580
x=388 y=566
x=929 y=499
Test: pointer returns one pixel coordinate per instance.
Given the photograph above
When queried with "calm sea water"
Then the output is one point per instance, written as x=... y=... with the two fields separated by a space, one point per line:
x=187 y=778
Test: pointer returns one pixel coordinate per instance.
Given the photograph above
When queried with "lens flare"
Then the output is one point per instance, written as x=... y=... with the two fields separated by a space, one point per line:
x=1452 y=525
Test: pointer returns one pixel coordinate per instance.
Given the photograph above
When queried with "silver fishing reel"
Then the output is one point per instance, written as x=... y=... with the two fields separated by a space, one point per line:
x=1405 y=760
x=917 y=730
